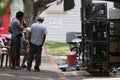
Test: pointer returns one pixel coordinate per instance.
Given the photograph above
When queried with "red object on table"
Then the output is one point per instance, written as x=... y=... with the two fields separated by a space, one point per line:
x=71 y=59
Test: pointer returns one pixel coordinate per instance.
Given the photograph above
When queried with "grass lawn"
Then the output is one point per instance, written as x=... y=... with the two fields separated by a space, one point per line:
x=57 y=48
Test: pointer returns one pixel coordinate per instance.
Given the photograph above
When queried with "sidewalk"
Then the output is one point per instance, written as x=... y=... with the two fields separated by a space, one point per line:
x=49 y=71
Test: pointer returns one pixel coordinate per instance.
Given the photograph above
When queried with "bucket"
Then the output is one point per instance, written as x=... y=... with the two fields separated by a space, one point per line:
x=71 y=58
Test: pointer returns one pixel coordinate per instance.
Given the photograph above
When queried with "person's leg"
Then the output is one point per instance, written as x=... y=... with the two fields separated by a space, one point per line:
x=38 y=57
x=18 y=60
x=24 y=59
x=2 y=58
x=18 y=46
x=10 y=61
x=12 y=53
x=6 y=60
x=30 y=56
x=13 y=58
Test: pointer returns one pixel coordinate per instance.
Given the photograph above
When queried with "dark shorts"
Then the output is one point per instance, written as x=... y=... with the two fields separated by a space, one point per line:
x=15 y=45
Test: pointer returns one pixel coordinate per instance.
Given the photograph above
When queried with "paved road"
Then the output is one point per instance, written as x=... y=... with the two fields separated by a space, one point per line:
x=72 y=74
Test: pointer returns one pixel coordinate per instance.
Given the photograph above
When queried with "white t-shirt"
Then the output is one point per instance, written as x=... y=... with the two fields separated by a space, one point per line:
x=14 y=24
x=37 y=30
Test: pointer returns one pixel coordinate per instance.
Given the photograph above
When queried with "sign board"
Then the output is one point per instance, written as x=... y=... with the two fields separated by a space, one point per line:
x=55 y=23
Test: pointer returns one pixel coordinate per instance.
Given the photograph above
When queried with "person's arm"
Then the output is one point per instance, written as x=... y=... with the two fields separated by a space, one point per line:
x=24 y=24
x=44 y=37
x=21 y=28
x=18 y=25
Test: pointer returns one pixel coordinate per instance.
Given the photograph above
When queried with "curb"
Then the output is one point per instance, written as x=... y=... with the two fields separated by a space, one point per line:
x=61 y=75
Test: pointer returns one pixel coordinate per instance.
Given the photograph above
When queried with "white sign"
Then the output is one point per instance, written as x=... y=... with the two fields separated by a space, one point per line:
x=55 y=23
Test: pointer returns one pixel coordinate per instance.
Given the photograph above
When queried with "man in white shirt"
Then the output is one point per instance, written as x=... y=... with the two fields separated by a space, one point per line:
x=37 y=37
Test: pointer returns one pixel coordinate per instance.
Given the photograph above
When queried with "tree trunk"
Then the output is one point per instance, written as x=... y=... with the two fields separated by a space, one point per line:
x=28 y=12
x=32 y=9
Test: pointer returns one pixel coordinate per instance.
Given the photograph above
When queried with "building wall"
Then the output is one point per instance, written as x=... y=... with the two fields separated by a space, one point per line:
x=59 y=22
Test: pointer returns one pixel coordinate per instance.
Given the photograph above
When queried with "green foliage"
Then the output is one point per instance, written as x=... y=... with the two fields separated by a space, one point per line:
x=3 y=6
x=57 y=48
